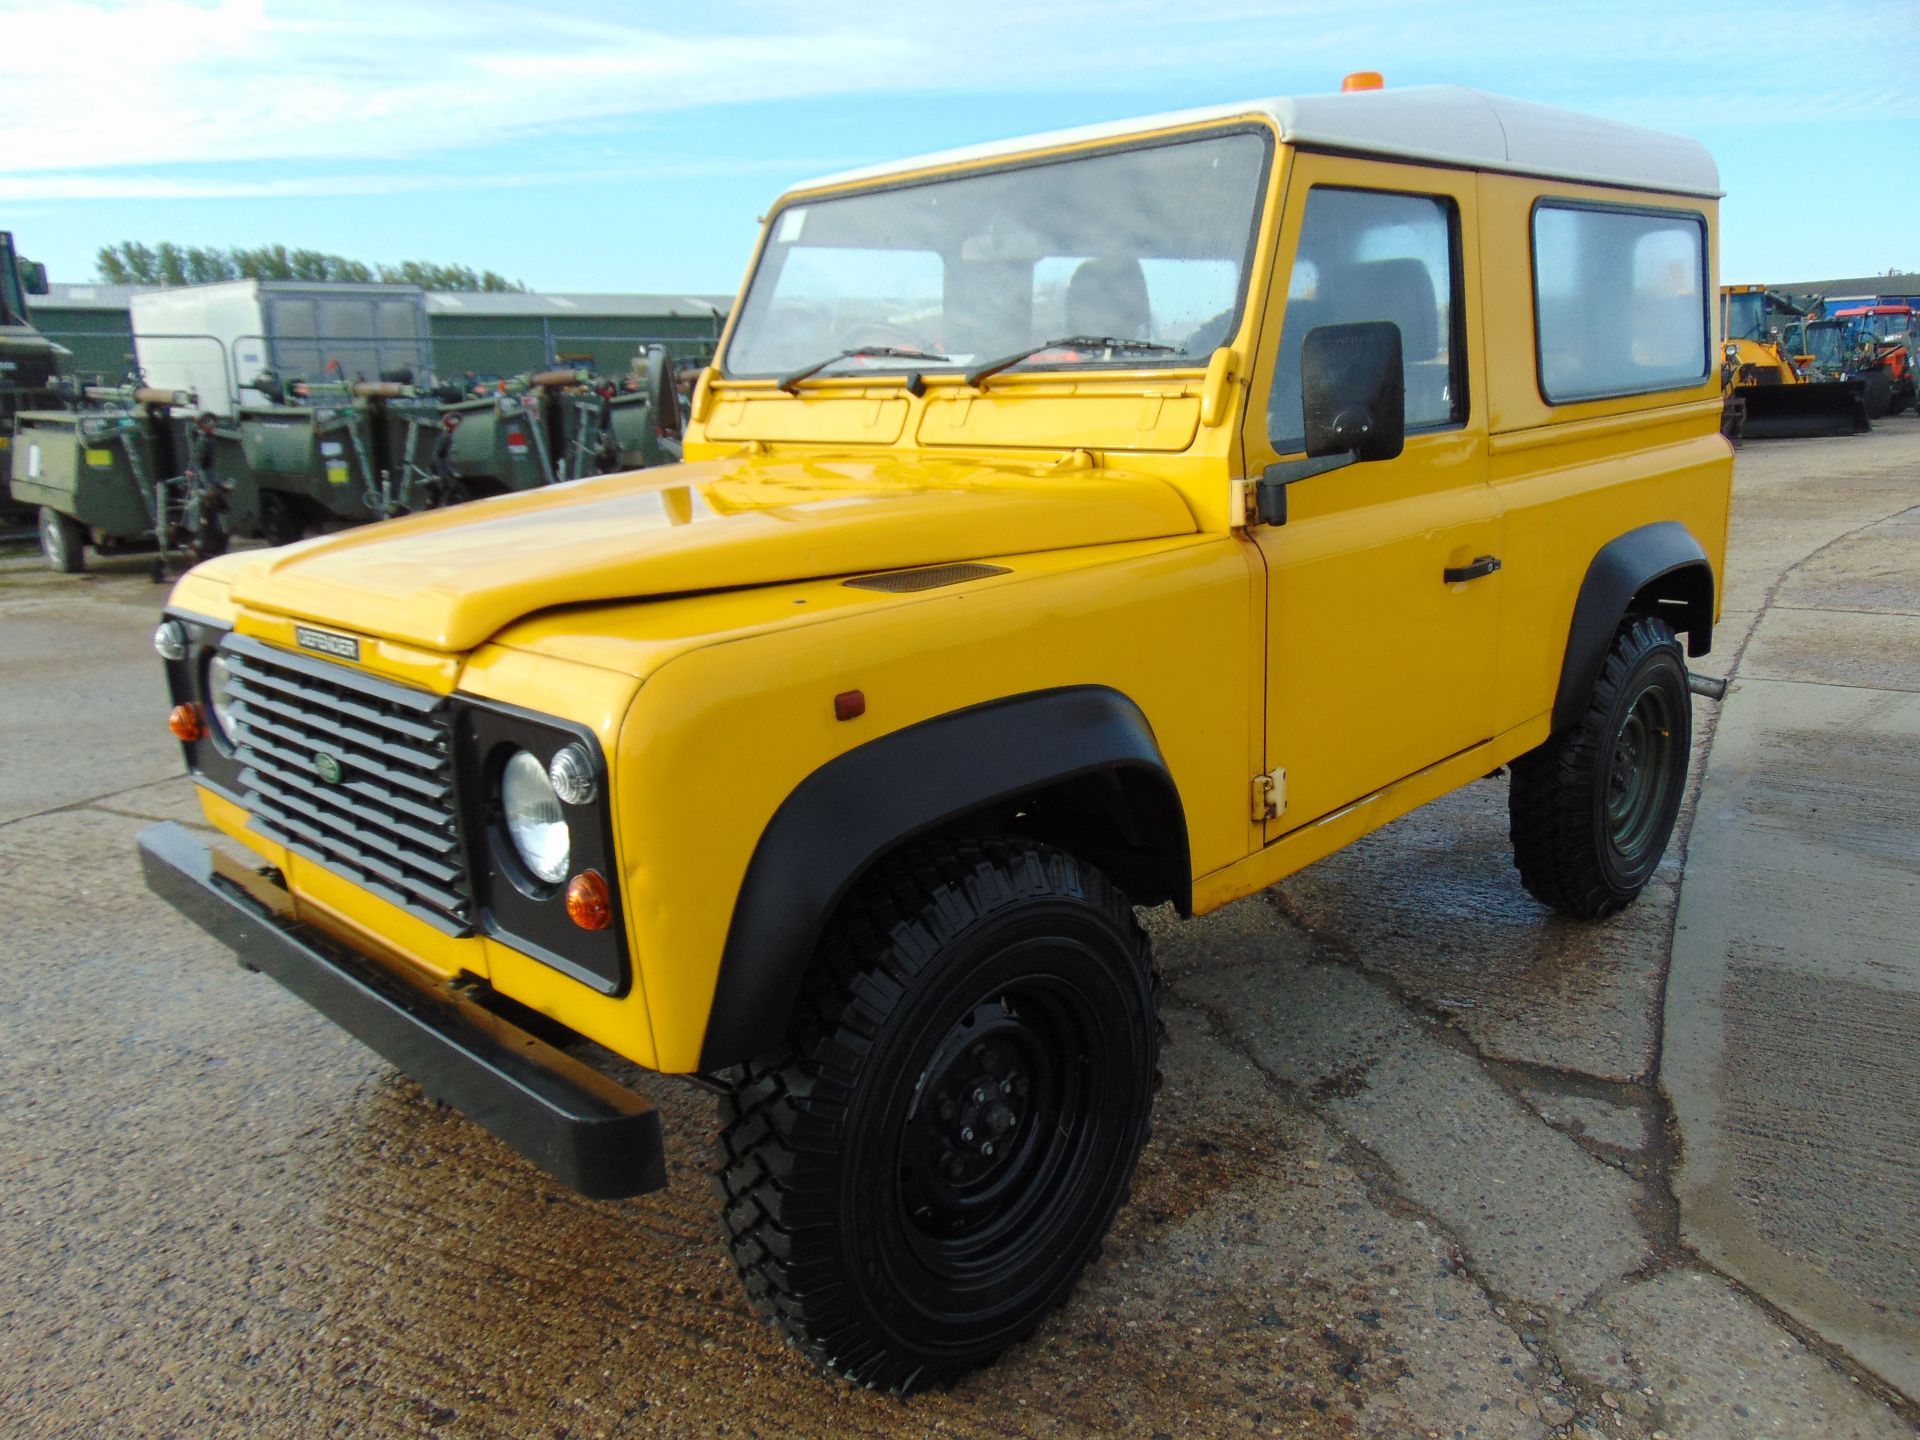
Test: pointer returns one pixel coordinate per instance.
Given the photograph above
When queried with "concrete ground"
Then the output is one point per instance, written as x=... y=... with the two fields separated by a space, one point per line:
x=1415 y=1171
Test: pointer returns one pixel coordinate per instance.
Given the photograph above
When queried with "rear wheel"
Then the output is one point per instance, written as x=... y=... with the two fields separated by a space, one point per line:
x=1877 y=390
x=63 y=540
x=1590 y=811
x=920 y=1176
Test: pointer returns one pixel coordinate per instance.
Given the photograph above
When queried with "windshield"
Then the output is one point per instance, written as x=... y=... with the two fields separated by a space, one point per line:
x=1826 y=344
x=1147 y=245
x=1884 y=327
x=1746 y=316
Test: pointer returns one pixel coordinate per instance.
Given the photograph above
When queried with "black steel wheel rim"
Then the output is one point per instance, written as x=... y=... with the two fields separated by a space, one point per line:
x=992 y=1134
x=1038 y=1065
x=1643 y=768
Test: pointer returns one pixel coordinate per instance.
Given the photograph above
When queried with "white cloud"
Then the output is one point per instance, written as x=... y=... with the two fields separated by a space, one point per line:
x=107 y=85
x=108 y=185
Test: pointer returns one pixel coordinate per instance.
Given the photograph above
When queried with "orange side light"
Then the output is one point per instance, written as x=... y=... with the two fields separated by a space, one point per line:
x=185 y=723
x=588 y=904
x=1364 y=80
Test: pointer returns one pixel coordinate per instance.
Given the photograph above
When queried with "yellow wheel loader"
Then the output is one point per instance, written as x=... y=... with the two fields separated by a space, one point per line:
x=1772 y=393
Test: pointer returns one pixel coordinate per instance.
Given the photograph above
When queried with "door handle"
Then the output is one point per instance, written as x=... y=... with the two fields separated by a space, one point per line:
x=1485 y=565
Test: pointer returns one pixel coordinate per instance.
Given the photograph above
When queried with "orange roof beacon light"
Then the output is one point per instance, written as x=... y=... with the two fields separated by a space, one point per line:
x=588 y=904
x=1364 y=80
x=185 y=723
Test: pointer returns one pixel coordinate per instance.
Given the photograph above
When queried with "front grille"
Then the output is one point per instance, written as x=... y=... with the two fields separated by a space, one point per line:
x=352 y=772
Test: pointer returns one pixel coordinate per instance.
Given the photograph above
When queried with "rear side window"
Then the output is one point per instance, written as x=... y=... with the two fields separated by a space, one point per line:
x=1620 y=300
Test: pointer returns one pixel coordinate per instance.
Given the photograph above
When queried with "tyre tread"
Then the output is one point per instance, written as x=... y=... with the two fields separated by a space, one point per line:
x=1550 y=796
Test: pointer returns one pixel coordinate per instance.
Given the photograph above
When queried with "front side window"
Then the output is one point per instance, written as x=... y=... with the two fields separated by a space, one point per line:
x=1619 y=301
x=1371 y=255
x=1147 y=247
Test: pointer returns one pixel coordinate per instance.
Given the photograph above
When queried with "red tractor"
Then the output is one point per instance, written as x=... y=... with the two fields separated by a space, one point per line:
x=1874 y=344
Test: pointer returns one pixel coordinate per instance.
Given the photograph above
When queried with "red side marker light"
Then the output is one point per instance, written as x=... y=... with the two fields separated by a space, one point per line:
x=849 y=705
x=588 y=904
x=1364 y=80
x=185 y=723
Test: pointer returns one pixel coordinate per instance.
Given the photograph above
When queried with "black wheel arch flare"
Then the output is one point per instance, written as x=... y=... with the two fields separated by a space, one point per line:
x=1089 y=747
x=1660 y=568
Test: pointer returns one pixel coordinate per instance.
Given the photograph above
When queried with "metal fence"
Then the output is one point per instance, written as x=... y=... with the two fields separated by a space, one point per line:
x=482 y=354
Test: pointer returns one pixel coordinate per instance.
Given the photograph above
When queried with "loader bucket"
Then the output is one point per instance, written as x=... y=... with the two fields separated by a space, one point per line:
x=1817 y=407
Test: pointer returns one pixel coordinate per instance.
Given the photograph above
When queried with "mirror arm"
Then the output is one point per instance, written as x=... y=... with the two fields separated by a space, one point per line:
x=1270 y=491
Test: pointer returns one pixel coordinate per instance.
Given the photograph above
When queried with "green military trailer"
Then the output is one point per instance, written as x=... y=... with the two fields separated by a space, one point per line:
x=114 y=477
x=311 y=454
x=608 y=427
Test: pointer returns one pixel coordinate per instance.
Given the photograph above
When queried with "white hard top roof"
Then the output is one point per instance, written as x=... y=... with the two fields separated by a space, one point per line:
x=1444 y=124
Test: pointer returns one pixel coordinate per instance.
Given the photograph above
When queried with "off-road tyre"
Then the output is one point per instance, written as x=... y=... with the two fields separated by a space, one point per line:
x=919 y=1176
x=1590 y=812
x=63 y=541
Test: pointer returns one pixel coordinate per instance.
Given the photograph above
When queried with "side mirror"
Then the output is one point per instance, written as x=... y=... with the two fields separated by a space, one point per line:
x=33 y=277
x=1353 y=391
x=1353 y=402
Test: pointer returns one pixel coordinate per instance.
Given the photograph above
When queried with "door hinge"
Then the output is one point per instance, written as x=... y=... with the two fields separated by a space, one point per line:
x=1270 y=795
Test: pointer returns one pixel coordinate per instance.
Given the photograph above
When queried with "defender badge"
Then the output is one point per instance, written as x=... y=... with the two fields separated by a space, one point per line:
x=341 y=647
x=327 y=767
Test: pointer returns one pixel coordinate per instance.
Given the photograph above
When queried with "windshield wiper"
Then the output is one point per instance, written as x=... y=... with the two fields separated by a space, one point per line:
x=791 y=383
x=1068 y=342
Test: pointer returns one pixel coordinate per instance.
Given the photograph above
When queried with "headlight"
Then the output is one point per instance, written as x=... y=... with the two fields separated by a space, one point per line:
x=170 y=640
x=220 y=698
x=534 y=822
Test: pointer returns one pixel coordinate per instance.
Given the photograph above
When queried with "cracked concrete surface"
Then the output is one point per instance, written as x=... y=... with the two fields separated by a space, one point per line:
x=1412 y=1171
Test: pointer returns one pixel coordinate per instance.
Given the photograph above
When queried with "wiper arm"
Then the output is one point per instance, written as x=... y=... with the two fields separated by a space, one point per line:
x=1068 y=342
x=791 y=383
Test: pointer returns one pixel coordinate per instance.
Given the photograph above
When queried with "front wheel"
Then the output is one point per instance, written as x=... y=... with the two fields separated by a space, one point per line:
x=63 y=541
x=920 y=1176
x=1590 y=811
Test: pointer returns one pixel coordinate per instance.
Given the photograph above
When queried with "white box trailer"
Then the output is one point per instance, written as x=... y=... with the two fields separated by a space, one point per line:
x=214 y=339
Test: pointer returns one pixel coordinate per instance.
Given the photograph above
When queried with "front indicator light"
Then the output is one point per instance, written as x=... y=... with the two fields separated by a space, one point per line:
x=588 y=904
x=571 y=775
x=185 y=723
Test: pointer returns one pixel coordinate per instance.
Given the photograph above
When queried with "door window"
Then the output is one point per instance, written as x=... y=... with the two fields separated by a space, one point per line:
x=1369 y=255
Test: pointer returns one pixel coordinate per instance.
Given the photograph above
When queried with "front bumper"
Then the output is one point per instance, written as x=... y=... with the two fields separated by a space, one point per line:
x=580 y=1126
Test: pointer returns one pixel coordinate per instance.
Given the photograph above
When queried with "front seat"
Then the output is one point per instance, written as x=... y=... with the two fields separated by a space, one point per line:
x=1108 y=296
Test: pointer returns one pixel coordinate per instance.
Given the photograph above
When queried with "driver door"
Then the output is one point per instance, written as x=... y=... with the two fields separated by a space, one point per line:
x=1383 y=587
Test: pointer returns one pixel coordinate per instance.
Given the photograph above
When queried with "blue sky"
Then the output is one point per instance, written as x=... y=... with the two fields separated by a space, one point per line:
x=601 y=146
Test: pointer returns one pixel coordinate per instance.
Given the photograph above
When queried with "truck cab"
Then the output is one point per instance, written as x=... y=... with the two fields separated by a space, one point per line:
x=1124 y=516
x=28 y=360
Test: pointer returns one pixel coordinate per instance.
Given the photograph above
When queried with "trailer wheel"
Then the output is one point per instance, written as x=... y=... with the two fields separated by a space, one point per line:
x=63 y=540
x=280 y=520
x=920 y=1176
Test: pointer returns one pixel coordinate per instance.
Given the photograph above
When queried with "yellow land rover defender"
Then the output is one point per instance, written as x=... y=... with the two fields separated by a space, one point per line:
x=1128 y=516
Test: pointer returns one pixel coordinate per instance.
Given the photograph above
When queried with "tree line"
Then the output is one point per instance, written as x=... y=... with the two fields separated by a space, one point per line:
x=131 y=263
